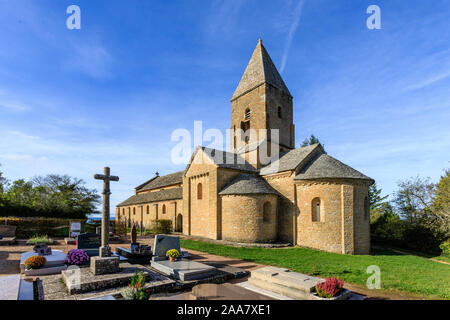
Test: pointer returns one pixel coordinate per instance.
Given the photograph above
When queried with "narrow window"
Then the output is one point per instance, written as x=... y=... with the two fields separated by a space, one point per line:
x=247 y=114
x=148 y=209
x=164 y=209
x=199 y=191
x=315 y=206
x=267 y=209
x=134 y=211
x=279 y=112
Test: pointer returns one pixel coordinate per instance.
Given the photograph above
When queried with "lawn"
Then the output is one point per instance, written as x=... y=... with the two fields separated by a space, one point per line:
x=407 y=273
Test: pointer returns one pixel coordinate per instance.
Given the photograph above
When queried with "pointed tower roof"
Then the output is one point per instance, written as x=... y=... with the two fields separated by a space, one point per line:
x=260 y=69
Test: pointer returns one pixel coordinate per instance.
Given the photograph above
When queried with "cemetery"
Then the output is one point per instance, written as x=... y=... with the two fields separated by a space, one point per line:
x=160 y=270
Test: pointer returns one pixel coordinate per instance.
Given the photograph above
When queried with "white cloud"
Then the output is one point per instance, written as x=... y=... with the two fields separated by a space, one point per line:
x=14 y=106
x=429 y=81
x=93 y=60
x=293 y=28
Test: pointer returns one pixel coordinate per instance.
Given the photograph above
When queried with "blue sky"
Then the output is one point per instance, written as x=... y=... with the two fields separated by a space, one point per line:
x=73 y=101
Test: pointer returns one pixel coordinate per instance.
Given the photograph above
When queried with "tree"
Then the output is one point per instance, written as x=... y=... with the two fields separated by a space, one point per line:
x=441 y=203
x=415 y=198
x=3 y=182
x=375 y=198
x=49 y=196
x=310 y=141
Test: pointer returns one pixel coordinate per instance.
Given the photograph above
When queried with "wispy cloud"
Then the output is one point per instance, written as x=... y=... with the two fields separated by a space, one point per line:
x=296 y=21
x=93 y=60
x=14 y=106
x=429 y=81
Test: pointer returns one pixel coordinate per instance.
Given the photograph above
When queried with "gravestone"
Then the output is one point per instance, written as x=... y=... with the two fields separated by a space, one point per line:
x=163 y=244
x=74 y=232
x=42 y=249
x=75 y=229
x=89 y=242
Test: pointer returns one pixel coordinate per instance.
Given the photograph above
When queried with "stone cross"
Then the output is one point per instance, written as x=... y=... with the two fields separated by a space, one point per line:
x=105 y=250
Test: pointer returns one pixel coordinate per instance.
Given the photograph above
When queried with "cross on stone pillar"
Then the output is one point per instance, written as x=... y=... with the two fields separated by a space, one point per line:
x=105 y=250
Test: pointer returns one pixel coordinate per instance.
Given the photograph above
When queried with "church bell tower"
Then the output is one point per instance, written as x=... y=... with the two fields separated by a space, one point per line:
x=261 y=101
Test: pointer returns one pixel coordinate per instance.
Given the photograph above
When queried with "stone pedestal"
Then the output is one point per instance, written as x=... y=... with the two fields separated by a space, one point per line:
x=104 y=265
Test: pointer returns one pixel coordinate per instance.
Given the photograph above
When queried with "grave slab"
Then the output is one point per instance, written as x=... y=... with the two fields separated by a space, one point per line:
x=56 y=259
x=82 y=280
x=287 y=278
x=184 y=270
x=9 y=287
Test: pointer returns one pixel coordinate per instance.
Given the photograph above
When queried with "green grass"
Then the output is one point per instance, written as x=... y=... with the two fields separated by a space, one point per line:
x=40 y=239
x=407 y=273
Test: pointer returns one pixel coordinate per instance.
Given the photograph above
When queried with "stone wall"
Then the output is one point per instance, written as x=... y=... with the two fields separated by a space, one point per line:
x=327 y=233
x=149 y=212
x=342 y=227
x=283 y=183
x=243 y=219
x=361 y=220
x=200 y=215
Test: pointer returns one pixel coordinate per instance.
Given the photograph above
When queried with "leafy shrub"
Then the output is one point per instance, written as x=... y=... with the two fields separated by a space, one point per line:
x=53 y=227
x=138 y=279
x=34 y=262
x=40 y=239
x=445 y=247
x=121 y=228
x=330 y=288
x=172 y=253
x=161 y=226
x=136 y=290
x=77 y=257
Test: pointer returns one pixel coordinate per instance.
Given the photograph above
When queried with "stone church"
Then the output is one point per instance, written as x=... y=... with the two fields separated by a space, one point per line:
x=302 y=196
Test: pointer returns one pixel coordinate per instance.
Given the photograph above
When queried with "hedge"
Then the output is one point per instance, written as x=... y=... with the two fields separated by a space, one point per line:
x=52 y=227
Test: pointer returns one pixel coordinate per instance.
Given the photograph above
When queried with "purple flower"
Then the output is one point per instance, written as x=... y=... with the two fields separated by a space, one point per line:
x=77 y=257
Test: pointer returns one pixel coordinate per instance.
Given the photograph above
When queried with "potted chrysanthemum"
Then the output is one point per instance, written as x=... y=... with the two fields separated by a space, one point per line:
x=173 y=254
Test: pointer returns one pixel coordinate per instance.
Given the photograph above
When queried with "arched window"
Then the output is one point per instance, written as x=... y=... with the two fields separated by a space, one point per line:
x=148 y=209
x=199 y=192
x=247 y=114
x=134 y=211
x=279 y=112
x=366 y=208
x=316 y=209
x=267 y=210
x=123 y=211
x=164 y=209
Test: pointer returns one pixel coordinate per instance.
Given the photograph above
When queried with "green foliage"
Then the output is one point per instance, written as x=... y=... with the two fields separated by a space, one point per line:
x=40 y=239
x=386 y=226
x=445 y=247
x=3 y=184
x=161 y=226
x=49 y=196
x=138 y=279
x=375 y=198
x=310 y=141
x=136 y=290
x=441 y=204
x=53 y=227
x=407 y=273
x=121 y=228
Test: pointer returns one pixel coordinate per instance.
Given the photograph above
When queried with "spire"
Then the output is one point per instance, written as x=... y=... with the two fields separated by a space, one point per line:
x=260 y=70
